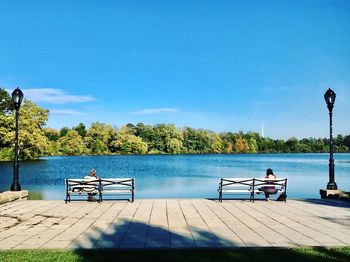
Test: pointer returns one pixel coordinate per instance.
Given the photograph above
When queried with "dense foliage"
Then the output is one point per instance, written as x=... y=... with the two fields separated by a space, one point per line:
x=36 y=140
x=32 y=141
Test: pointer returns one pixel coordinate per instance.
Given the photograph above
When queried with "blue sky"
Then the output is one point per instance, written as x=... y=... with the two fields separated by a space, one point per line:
x=218 y=65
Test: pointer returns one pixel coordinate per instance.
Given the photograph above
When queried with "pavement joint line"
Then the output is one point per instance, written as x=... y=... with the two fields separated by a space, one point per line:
x=92 y=224
x=279 y=223
x=242 y=221
x=18 y=223
x=295 y=229
x=196 y=207
x=113 y=220
x=129 y=223
x=269 y=227
x=59 y=234
x=307 y=224
x=202 y=219
x=314 y=214
x=149 y=223
x=224 y=221
x=188 y=226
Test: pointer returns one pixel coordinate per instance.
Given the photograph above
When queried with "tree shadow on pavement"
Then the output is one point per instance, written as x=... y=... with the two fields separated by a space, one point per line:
x=328 y=202
x=137 y=241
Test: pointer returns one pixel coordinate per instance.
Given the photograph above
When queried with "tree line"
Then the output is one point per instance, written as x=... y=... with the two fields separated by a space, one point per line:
x=36 y=140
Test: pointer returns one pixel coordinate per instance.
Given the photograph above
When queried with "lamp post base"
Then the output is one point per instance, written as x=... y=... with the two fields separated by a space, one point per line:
x=15 y=187
x=332 y=186
x=333 y=194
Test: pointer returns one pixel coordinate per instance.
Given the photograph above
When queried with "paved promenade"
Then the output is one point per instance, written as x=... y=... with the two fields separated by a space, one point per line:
x=173 y=223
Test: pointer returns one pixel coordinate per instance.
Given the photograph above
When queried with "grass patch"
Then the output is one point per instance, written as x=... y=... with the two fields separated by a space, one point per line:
x=241 y=254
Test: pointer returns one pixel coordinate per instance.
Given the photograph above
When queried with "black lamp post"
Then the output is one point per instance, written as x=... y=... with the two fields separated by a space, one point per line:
x=17 y=97
x=329 y=97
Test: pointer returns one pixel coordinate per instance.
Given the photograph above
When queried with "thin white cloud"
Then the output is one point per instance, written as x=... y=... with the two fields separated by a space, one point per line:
x=65 y=112
x=54 y=96
x=152 y=111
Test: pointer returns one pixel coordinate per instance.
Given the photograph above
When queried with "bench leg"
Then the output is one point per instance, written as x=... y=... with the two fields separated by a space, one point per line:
x=67 y=198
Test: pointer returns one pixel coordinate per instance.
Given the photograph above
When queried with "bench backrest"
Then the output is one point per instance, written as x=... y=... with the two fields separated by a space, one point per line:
x=117 y=182
x=278 y=183
x=107 y=183
x=82 y=182
x=240 y=183
x=237 y=182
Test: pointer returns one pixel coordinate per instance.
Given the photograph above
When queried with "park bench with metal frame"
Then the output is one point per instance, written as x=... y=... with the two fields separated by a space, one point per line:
x=82 y=187
x=278 y=185
x=251 y=186
x=100 y=187
x=117 y=186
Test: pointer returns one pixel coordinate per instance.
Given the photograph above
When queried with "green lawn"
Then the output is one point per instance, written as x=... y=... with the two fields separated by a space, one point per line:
x=242 y=254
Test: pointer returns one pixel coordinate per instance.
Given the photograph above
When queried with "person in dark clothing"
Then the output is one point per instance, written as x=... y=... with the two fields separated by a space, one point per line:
x=269 y=189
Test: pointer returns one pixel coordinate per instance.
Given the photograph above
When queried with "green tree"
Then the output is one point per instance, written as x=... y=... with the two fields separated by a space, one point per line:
x=51 y=134
x=280 y=145
x=32 y=141
x=292 y=144
x=99 y=138
x=252 y=146
x=146 y=132
x=6 y=104
x=346 y=141
x=216 y=144
x=64 y=131
x=71 y=144
x=163 y=135
x=196 y=141
x=131 y=144
x=128 y=143
x=228 y=140
x=174 y=146
x=6 y=125
x=81 y=129
x=266 y=145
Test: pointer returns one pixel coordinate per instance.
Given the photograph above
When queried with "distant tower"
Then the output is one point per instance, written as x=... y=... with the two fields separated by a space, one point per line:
x=262 y=129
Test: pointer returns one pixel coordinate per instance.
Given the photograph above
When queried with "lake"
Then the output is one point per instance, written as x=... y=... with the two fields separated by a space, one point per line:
x=180 y=176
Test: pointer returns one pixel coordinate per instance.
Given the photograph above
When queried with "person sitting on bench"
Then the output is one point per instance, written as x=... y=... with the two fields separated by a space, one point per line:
x=269 y=189
x=92 y=176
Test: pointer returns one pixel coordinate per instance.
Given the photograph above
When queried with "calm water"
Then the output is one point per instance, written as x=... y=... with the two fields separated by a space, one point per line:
x=180 y=176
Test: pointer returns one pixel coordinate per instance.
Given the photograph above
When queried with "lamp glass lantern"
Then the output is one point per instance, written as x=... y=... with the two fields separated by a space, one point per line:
x=17 y=97
x=329 y=97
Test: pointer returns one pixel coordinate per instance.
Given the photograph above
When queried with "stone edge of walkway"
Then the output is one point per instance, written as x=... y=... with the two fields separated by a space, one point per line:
x=9 y=196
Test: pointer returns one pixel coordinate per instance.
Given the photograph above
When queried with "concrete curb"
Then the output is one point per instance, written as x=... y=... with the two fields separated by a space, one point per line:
x=9 y=196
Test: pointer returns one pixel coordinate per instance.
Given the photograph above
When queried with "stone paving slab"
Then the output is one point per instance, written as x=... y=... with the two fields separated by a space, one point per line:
x=173 y=223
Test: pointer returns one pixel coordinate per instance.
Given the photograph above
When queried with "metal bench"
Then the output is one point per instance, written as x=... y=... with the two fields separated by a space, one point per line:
x=81 y=187
x=236 y=186
x=279 y=185
x=117 y=186
x=251 y=186
x=101 y=187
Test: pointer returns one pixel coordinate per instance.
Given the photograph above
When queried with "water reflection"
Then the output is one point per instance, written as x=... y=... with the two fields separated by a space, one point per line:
x=179 y=176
